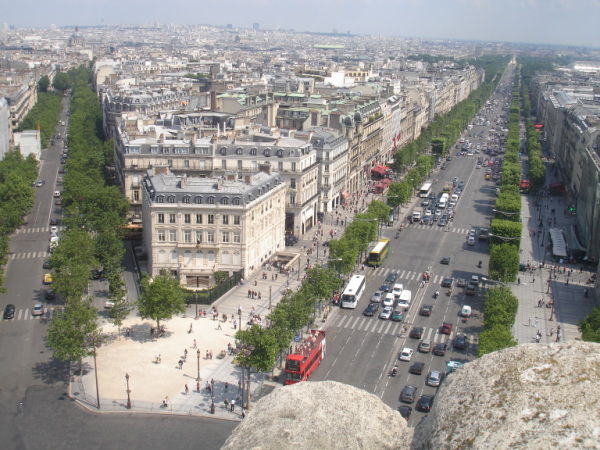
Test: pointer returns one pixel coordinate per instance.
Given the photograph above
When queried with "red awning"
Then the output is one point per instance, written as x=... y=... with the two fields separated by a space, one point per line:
x=345 y=194
x=379 y=169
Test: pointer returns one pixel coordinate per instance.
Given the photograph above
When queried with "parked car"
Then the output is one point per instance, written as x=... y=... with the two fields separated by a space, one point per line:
x=9 y=311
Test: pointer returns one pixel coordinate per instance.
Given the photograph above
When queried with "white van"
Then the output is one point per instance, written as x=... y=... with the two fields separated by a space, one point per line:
x=465 y=311
x=397 y=290
x=405 y=299
x=56 y=194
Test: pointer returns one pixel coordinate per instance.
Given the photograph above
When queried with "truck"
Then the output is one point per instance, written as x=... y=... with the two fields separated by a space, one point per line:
x=305 y=358
x=484 y=234
x=405 y=299
x=417 y=214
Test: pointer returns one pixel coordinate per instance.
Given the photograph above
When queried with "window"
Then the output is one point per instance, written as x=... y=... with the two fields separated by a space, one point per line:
x=293 y=183
x=210 y=200
x=240 y=164
x=199 y=237
x=225 y=201
x=172 y=218
x=172 y=235
x=293 y=167
x=160 y=199
x=224 y=164
x=187 y=199
x=210 y=236
x=293 y=199
x=280 y=166
x=187 y=236
x=162 y=256
x=225 y=219
x=326 y=167
x=170 y=162
x=239 y=151
x=187 y=257
x=267 y=152
x=326 y=181
x=171 y=199
x=199 y=258
x=280 y=153
x=211 y=219
x=237 y=237
x=174 y=256
x=187 y=218
x=253 y=151
x=198 y=218
x=236 y=201
x=198 y=200
x=225 y=236
x=223 y=151
x=161 y=236
x=161 y=218
x=236 y=220
x=136 y=196
x=154 y=150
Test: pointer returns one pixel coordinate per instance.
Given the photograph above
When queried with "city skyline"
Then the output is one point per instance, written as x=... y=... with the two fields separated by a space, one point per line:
x=554 y=22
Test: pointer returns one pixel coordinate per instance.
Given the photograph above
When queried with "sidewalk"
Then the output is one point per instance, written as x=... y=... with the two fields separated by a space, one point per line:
x=570 y=305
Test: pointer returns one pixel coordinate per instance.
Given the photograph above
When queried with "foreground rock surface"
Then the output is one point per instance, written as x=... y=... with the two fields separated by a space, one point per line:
x=320 y=415
x=532 y=396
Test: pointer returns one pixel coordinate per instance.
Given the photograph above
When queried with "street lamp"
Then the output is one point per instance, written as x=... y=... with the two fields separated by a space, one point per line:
x=212 y=396
x=270 y=288
x=128 y=392
x=198 y=355
x=196 y=302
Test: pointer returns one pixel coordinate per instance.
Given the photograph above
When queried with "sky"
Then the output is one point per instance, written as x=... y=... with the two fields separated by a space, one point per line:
x=562 y=22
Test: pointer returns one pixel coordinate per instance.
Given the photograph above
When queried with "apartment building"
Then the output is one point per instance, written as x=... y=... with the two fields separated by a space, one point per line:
x=194 y=227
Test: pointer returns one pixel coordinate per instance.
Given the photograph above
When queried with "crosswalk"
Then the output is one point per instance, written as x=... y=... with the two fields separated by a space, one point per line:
x=407 y=275
x=29 y=255
x=435 y=227
x=399 y=329
x=37 y=230
x=25 y=314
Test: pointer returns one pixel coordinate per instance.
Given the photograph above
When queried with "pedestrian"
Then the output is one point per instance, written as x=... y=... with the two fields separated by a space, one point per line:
x=206 y=354
x=529 y=322
x=567 y=281
x=519 y=280
x=243 y=413
x=210 y=354
x=191 y=329
x=219 y=326
x=536 y=322
x=198 y=387
x=551 y=331
x=558 y=335
x=226 y=385
x=235 y=324
x=187 y=390
x=194 y=343
x=166 y=402
x=226 y=402
x=232 y=404
x=180 y=364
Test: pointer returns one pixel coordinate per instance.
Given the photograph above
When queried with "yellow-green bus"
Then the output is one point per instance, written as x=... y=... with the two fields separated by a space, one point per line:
x=379 y=252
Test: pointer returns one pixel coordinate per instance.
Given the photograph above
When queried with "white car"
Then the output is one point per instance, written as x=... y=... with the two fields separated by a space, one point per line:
x=403 y=304
x=434 y=378
x=53 y=230
x=406 y=354
x=428 y=213
x=386 y=313
x=377 y=296
x=37 y=310
x=389 y=299
x=397 y=290
x=471 y=240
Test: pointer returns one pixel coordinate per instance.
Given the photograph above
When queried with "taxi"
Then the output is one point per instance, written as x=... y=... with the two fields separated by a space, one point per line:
x=47 y=278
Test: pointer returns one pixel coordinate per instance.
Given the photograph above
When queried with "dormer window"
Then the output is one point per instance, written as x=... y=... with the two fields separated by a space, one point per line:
x=225 y=201
x=236 y=201
x=171 y=199
x=267 y=152
x=280 y=153
x=187 y=199
x=253 y=151
x=210 y=200
x=160 y=199
x=239 y=151
x=198 y=200
x=223 y=151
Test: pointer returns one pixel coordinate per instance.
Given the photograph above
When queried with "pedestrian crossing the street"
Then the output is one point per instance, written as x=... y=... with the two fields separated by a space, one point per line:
x=29 y=255
x=435 y=227
x=407 y=275
x=388 y=327
x=25 y=314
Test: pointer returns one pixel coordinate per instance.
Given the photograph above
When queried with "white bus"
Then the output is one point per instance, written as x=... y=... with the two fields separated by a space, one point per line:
x=425 y=190
x=353 y=291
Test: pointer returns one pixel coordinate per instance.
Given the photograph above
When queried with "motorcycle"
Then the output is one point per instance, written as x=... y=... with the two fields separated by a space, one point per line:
x=397 y=235
x=480 y=265
x=436 y=294
x=394 y=371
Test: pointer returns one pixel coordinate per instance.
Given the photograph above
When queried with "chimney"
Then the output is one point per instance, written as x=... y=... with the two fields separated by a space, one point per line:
x=231 y=176
x=183 y=182
x=219 y=184
x=213 y=101
x=247 y=179
x=265 y=167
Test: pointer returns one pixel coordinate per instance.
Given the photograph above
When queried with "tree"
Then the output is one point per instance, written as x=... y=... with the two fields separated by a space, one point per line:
x=220 y=276
x=61 y=82
x=321 y=282
x=493 y=339
x=74 y=331
x=590 y=326
x=265 y=348
x=43 y=84
x=504 y=262
x=343 y=254
x=161 y=297
x=379 y=210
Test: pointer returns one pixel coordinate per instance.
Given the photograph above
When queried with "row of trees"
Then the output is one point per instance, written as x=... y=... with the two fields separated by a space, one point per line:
x=500 y=312
x=94 y=212
x=43 y=116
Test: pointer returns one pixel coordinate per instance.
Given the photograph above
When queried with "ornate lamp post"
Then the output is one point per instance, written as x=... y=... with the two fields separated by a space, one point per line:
x=245 y=351
x=198 y=355
x=128 y=392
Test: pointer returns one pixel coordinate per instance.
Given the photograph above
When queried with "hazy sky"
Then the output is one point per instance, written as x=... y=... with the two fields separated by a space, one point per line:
x=570 y=22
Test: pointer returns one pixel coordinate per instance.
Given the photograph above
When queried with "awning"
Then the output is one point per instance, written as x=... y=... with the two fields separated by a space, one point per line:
x=345 y=193
x=559 y=246
x=379 y=169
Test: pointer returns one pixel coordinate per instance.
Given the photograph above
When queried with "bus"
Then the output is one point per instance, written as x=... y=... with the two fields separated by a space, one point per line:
x=379 y=252
x=425 y=190
x=353 y=291
x=305 y=358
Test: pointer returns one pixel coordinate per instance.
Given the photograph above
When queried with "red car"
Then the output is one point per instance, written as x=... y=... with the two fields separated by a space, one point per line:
x=446 y=328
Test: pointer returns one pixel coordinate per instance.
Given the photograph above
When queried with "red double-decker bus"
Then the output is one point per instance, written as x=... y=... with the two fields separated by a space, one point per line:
x=306 y=357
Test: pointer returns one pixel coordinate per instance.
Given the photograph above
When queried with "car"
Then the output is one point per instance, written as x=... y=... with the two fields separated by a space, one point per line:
x=440 y=349
x=58 y=202
x=40 y=183
x=461 y=184
x=470 y=289
x=371 y=309
x=56 y=194
x=386 y=313
x=474 y=280
x=96 y=274
x=446 y=328
x=384 y=287
x=436 y=216
x=397 y=290
x=428 y=214
x=391 y=278
x=416 y=332
x=46 y=264
x=461 y=282
x=458 y=191
x=405 y=411
x=53 y=229
x=397 y=315
x=445 y=260
x=416 y=368
x=426 y=310
x=49 y=294
x=108 y=304
x=425 y=202
x=425 y=346
x=434 y=378
x=478 y=166
x=54 y=222
x=447 y=282
x=522 y=267
x=444 y=166
x=62 y=170
x=406 y=354
x=442 y=223
x=377 y=296
x=460 y=342
x=425 y=403
x=426 y=219
x=408 y=393
x=9 y=311
x=47 y=278
x=37 y=310
x=455 y=180
x=388 y=300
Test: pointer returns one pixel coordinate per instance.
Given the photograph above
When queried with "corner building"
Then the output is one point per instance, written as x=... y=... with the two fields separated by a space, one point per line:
x=194 y=227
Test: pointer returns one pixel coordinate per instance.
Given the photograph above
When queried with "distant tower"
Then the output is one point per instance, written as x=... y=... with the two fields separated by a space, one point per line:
x=76 y=39
x=256 y=26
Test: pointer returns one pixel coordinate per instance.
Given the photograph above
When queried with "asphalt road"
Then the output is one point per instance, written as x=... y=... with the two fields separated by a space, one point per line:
x=361 y=351
x=36 y=410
